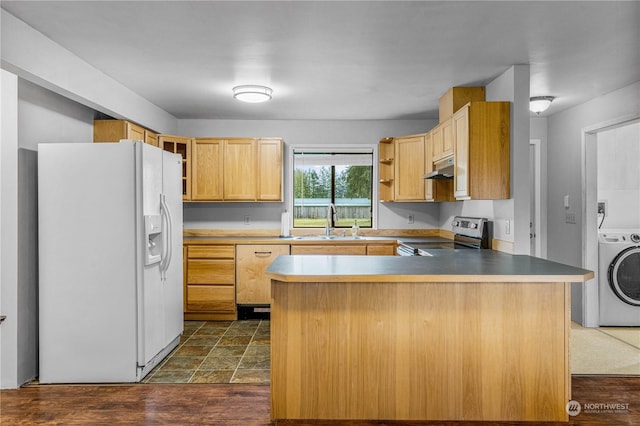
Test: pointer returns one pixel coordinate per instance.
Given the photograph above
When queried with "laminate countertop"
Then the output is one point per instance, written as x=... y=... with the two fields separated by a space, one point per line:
x=446 y=265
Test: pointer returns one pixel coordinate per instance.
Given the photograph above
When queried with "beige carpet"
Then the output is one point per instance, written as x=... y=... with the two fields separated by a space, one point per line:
x=606 y=350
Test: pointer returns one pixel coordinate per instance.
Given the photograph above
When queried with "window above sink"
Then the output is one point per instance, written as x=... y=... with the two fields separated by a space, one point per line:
x=323 y=177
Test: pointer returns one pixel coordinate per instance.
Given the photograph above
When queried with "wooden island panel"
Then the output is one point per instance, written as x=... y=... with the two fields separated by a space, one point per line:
x=420 y=351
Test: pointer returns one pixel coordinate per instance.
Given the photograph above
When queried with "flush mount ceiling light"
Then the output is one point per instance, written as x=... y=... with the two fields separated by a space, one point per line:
x=252 y=93
x=539 y=104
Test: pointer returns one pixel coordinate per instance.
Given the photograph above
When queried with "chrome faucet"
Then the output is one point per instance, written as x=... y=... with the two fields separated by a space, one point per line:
x=331 y=214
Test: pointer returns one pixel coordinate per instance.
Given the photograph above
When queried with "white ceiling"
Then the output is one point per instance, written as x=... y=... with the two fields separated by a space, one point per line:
x=343 y=60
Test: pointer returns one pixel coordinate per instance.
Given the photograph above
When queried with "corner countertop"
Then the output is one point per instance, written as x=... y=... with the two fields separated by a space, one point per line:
x=312 y=236
x=442 y=266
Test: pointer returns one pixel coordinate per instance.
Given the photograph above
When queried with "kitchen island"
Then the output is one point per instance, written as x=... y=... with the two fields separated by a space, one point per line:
x=459 y=335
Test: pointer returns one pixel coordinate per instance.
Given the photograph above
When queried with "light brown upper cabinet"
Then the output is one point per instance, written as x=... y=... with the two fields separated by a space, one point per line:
x=409 y=168
x=428 y=166
x=481 y=132
x=457 y=97
x=206 y=169
x=454 y=99
x=237 y=169
x=435 y=189
x=240 y=170
x=180 y=145
x=150 y=137
x=442 y=140
x=270 y=169
x=114 y=130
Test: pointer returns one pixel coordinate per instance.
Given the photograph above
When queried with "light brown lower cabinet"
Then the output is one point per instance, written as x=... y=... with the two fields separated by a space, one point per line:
x=218 y=278
x=210 y=292
x=474 y=351
x=252 y=286
x=381 y=250
x=328 y=249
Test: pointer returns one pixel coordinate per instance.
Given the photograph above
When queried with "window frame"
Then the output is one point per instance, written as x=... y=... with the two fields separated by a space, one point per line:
x=335 y=148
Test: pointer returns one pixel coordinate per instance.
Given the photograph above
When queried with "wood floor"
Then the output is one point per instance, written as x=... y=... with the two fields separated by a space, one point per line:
x=241 y=404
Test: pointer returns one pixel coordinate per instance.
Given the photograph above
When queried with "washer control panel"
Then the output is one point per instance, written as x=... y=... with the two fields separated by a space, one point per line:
x=619 y=237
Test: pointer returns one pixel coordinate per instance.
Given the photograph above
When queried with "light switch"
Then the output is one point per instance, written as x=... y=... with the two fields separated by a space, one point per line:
x=566 y=201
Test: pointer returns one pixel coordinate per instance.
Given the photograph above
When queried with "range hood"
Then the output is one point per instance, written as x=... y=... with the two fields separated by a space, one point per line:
x=443 y=169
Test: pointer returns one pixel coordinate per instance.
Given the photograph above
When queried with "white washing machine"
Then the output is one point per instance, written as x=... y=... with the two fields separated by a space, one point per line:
x=619 y=277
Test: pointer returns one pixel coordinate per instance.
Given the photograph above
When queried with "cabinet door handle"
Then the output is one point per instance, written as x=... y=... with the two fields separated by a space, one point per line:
x=262 y=253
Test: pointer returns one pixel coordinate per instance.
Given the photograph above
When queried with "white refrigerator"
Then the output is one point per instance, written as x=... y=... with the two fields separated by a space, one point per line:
x=110 y=260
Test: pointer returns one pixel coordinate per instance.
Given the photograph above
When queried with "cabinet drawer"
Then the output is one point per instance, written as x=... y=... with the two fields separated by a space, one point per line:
x=381 y=250
x=211 y=298
x=322 y=249
x=211 y=252
x=210 y=271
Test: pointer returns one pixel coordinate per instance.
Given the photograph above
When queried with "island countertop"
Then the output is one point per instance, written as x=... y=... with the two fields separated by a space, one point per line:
x=457 y=265
x=461 y=335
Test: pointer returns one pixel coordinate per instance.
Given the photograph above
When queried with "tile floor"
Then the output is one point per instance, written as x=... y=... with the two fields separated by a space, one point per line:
x=239 y=352
x=218 y=352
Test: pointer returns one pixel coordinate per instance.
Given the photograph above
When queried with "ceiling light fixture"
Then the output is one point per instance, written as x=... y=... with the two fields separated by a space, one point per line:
x=539 y=104
x=252 y=93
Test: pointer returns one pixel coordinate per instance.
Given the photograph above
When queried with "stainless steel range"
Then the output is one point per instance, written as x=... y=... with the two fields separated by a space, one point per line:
x=468 y=233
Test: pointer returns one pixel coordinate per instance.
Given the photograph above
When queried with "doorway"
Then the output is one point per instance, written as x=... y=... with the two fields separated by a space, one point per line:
x=590 y=298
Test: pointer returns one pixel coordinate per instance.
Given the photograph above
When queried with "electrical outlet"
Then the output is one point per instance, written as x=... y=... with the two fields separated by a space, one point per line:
x=570 y=218
x=410 y=219
x=247 y=220
x=507 y=227
x=602 y=208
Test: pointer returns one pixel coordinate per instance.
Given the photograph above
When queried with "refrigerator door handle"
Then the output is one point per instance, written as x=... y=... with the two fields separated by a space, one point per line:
x=165 y=226
x=164 y=265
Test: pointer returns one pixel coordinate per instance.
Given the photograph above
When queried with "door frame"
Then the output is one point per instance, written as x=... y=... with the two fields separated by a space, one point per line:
x=536 y=178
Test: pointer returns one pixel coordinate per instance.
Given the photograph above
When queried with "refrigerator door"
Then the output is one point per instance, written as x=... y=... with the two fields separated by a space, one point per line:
x=87 y=263
x=173 y=296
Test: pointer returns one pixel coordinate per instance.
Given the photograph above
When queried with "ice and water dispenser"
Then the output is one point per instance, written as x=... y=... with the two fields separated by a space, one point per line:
x=153 y=237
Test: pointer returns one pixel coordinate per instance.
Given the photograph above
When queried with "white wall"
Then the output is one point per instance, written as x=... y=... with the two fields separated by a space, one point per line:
x=9 y=330
x=32 y=56
x=619 y=176
x=41 y=116
x=571 y=146
x=297 y=133
x=565 y=159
